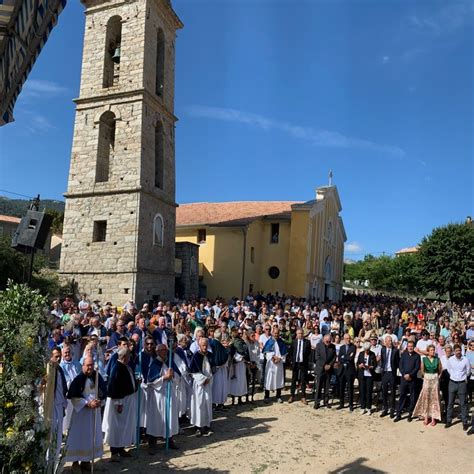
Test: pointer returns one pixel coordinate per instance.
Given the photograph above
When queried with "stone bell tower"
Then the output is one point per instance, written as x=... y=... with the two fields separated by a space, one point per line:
x=119 y=223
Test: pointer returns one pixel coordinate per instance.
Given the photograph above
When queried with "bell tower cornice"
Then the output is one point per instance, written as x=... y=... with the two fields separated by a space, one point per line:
x=93 y=6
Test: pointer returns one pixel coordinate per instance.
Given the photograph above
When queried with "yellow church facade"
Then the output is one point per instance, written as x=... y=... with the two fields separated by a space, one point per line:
x=293 y=248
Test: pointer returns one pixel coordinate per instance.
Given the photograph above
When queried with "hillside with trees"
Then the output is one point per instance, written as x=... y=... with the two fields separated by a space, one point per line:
x=18 y=208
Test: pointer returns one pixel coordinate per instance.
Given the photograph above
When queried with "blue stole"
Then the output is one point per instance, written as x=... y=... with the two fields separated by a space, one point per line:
x=270 y=346
x=183 y=354
x=195 y=367
x=221 y=354
x=146 y=359
x=154 y=369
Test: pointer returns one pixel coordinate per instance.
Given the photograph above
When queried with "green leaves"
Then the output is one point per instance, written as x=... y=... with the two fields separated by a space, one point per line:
x=444 y=265
x=15 y=266
x=23 y=343
x=447 y=261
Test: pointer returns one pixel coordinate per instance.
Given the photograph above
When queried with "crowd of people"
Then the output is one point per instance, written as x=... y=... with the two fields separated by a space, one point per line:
x=125 y=374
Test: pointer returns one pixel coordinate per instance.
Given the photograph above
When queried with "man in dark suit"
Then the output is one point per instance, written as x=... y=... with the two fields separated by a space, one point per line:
x=409 y=366
x=324 y=359
x=390 y=359
x=300 y=354
x=346 y=371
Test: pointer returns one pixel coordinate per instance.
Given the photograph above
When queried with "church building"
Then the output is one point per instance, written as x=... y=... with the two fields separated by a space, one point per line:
x=293 y=248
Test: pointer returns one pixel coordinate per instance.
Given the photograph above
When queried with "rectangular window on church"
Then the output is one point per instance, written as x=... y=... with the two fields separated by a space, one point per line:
x=201 y=236
x=100 y=231
x=275 y=235
x=252 y=254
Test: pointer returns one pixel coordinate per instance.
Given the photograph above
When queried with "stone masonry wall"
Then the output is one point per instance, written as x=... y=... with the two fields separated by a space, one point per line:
x=188 y=253
x=127 y=265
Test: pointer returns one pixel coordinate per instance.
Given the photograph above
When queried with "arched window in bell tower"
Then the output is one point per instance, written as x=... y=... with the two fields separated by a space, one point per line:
x=113 y=48
x=160 y=63
x=158 y=230
x=159 y=155
x=105 y=146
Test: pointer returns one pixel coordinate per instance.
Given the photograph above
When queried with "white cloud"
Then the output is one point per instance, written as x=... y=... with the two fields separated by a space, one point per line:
x=385 y=59
x=37 y=123
x=412 y=53
x=317 y=137
x=352 y=247
x=445 y=20
x=42 y=89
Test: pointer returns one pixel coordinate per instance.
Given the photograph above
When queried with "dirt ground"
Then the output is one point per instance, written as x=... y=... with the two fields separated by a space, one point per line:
x=259 y=438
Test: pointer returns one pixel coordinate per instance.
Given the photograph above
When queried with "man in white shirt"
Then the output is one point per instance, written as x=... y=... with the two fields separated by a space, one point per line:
x=324 y=314
x=388 y=332
x=459 y=370
x=422 y=344
x=83 y=305
x=348 y=314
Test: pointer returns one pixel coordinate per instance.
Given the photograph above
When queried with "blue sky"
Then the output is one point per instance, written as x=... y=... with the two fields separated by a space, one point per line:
x=271 y=94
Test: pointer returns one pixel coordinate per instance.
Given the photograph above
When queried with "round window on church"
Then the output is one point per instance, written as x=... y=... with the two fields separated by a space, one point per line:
x=274 y=272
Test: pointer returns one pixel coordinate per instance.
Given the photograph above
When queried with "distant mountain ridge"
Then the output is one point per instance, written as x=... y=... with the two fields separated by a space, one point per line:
x=18 y=207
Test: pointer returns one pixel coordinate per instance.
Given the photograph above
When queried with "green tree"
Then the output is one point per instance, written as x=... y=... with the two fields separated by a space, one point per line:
x=406 y=274
x=396 y=274
x=359 y=271
x=381 y=273
x=14 y=266
x=58 y=218
x=447 y=261
x=12 y=263
x=23 y=351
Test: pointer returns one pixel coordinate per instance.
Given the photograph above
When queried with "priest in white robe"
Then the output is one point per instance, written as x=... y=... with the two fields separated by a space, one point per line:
x=162 y=380
x=71 y=369
x=184 y=387
x=148 y=353
x=220 y=381
x=274 y=351
x=201 y=398
x=239 y=356
x=120 y=415
x=87 y=392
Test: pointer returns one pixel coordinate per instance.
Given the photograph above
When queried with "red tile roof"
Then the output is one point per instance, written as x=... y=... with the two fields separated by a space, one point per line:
x=14 y=220
x=231 y=213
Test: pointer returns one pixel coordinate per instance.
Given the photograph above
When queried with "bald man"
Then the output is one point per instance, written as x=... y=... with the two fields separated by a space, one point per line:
x=87 y=393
